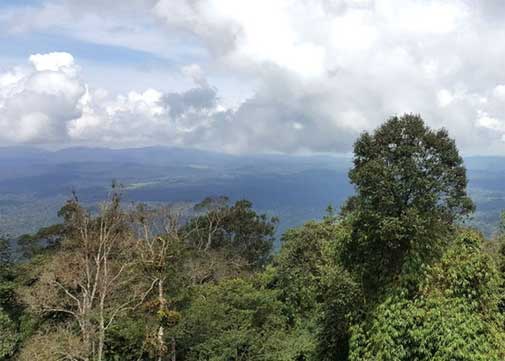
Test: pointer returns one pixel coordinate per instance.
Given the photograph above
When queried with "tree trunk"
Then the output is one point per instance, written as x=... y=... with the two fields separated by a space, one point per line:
x=209 y=237
x=101 y=330
x=101 y=340
x=161 y=331
x=173 y=349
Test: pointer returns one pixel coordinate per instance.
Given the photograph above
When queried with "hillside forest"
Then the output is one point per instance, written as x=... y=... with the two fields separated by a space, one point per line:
x=395 y=274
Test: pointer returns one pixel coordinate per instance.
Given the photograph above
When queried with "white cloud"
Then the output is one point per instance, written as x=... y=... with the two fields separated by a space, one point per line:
x=35 y=103
x=57 y=61
x=56 y=107
x=314 y=73
x=499 y=91
x=121 y=23
x=49 y=104
x=444 y=97
x=486 y=121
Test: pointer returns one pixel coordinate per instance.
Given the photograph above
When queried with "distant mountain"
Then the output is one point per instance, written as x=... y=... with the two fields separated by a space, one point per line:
x=34 y=183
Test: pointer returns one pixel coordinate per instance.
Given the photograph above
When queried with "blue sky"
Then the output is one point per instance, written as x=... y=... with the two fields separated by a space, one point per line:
x=60 y=34
x=289 y=76
x=17 y=46
x=22 y=45
x=19 y=3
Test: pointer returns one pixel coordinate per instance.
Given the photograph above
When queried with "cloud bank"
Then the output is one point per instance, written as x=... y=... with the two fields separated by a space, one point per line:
x=317 y=72
x=47 y=103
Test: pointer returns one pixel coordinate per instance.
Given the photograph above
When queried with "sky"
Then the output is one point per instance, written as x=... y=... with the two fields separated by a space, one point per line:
x=249 y=76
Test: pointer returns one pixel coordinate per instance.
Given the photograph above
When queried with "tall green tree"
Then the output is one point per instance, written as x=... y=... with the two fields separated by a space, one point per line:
x=410 y=186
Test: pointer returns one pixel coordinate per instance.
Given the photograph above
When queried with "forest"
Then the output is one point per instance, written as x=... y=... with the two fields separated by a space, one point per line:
x=395 y=274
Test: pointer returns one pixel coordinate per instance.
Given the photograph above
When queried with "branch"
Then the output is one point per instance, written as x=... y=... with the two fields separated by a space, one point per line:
x=62 y=310
x=124 y=306
x=69 y=294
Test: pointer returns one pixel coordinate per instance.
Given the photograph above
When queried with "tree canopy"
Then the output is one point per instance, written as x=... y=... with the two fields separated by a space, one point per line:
x=410 y=189
x=395 y=276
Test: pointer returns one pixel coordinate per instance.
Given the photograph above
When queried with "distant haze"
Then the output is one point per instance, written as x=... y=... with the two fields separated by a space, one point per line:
x=35 y=183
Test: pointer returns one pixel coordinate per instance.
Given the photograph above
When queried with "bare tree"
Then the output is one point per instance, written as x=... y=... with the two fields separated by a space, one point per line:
x=159 y=245
x=91 y=278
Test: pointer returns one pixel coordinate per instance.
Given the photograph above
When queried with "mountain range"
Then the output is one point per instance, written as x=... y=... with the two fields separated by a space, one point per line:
x=34 y=183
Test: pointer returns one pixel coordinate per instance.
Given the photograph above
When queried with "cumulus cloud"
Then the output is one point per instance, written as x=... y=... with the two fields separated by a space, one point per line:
x=317 y=73
x=48 y=103
x=360 y=61
x=36 y=103
x=54 y=62
x=142 y=118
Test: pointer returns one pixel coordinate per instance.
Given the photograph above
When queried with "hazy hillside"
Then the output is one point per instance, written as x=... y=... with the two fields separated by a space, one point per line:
x=34 y=183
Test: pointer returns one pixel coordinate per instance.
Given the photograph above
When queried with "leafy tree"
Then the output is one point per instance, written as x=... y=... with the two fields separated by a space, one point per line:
x=46 y=237
x=132 y=338
x=435 y=328
x=466 y=271
x=6 y=275
x=50 y=237
x=319 y=295
x=8 y=285
x=343 y=301
x=454 y=317
x=230 y=321
x=497 y=245
x=8 y=305
x=5 y=253
x=304 y=261
x=238 y=230
x=299 y=266
x=8 y=336
x=207 y=228
x=410 y=189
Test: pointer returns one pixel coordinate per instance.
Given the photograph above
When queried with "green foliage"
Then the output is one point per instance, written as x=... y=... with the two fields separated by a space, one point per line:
x=498 y=244
x=127 y=340
x=466 y=272
x=393 y=278
x=432 y=328
x=455 y=315
x=10 y=309
x=7 y=289
x=8 y=336
x=300 y=265
x=411 y=187
x=238 y=229
x=343 y=300
x=6 y=275
x=46 y=237
x=50 y=237
x=5 y=253
x=232 y=320
x=314 y=286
